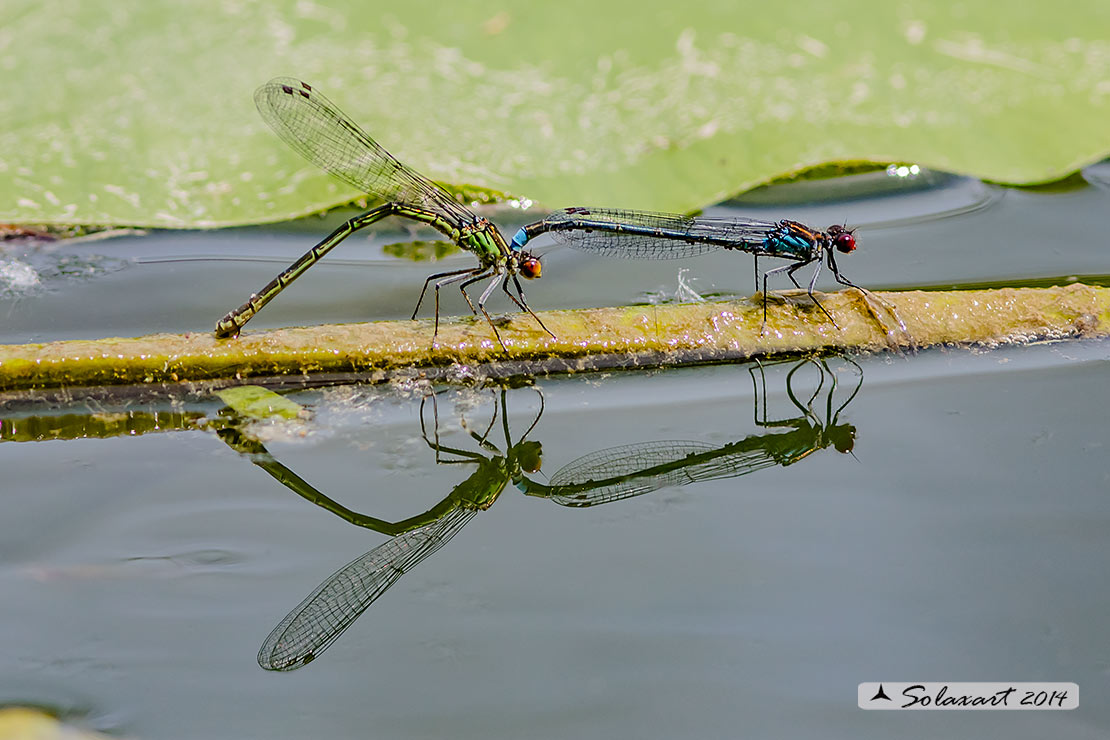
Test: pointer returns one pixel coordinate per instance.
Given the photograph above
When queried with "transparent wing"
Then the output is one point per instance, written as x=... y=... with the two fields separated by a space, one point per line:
x=632 y=470
x=312 y=125
x=317 y=621
x=646 y=235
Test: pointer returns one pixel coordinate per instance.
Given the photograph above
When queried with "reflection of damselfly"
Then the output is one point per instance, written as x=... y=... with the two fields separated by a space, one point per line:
x=632 y=470
x=601 y=477
x=318 y=620
x=321 y=133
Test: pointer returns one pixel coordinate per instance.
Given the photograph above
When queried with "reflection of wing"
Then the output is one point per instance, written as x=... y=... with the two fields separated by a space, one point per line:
x=318 y=620
x=631 y=470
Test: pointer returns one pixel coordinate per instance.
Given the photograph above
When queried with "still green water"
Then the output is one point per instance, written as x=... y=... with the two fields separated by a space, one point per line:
x=938 y=516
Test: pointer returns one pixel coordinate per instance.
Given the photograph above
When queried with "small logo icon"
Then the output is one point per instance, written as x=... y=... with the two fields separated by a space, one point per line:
x=880 y=694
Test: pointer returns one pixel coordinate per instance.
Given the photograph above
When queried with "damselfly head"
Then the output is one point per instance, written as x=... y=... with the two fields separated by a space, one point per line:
x=843 y=437
x=842 y=239
x=529 y=266
x=530 y=456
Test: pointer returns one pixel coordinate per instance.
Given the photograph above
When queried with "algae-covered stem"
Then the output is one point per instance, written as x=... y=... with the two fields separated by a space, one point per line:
x=635 y=336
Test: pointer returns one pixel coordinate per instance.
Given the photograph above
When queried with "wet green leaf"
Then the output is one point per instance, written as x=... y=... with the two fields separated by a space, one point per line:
x=141 y=114
x=256 y=402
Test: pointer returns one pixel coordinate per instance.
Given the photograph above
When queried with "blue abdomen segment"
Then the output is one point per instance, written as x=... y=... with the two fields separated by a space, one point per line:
x=520 y=238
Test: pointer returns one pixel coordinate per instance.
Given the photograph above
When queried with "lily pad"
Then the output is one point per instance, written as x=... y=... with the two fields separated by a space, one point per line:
x=134 y=113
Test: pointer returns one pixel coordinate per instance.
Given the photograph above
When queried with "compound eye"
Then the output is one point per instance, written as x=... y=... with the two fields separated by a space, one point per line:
x=531 y=457
x=530 y=267
x=844 y=242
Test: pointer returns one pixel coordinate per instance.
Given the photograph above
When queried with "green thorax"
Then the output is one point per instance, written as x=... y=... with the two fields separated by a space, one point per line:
x=788 y=448
x=485 y=241
x=484 y=485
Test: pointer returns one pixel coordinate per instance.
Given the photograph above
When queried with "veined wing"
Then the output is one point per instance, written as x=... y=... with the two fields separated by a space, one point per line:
x=647 y=235
x=312 y=125
x=632 y=470
x=317 y=621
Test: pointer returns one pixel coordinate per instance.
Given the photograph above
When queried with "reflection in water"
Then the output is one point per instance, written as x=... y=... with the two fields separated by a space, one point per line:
x=632 y=470
x=601 y=477
x=100 y=425
x=318 y=620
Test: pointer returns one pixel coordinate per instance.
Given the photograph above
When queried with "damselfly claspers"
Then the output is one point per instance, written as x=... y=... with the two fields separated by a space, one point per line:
x=643 y=234
x=313 y=126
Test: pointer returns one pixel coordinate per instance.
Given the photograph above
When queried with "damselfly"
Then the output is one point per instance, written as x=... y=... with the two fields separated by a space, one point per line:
x=619 y=473
x=313 y=126
x=642 y=234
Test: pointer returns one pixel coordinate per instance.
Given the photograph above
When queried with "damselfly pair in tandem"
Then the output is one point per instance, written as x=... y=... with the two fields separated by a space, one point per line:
x=313 y=126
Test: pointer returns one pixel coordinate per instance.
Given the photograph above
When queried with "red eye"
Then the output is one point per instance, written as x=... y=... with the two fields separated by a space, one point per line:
x=530 y=267
x=844 y=242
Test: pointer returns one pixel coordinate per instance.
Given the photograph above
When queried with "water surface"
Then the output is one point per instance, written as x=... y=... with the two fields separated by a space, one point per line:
x=962 y=537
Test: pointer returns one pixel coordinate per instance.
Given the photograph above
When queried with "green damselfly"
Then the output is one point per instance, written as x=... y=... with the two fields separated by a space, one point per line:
x=314 y=127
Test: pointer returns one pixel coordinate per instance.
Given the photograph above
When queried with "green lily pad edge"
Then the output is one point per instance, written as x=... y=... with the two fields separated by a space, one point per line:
x=148 y=120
